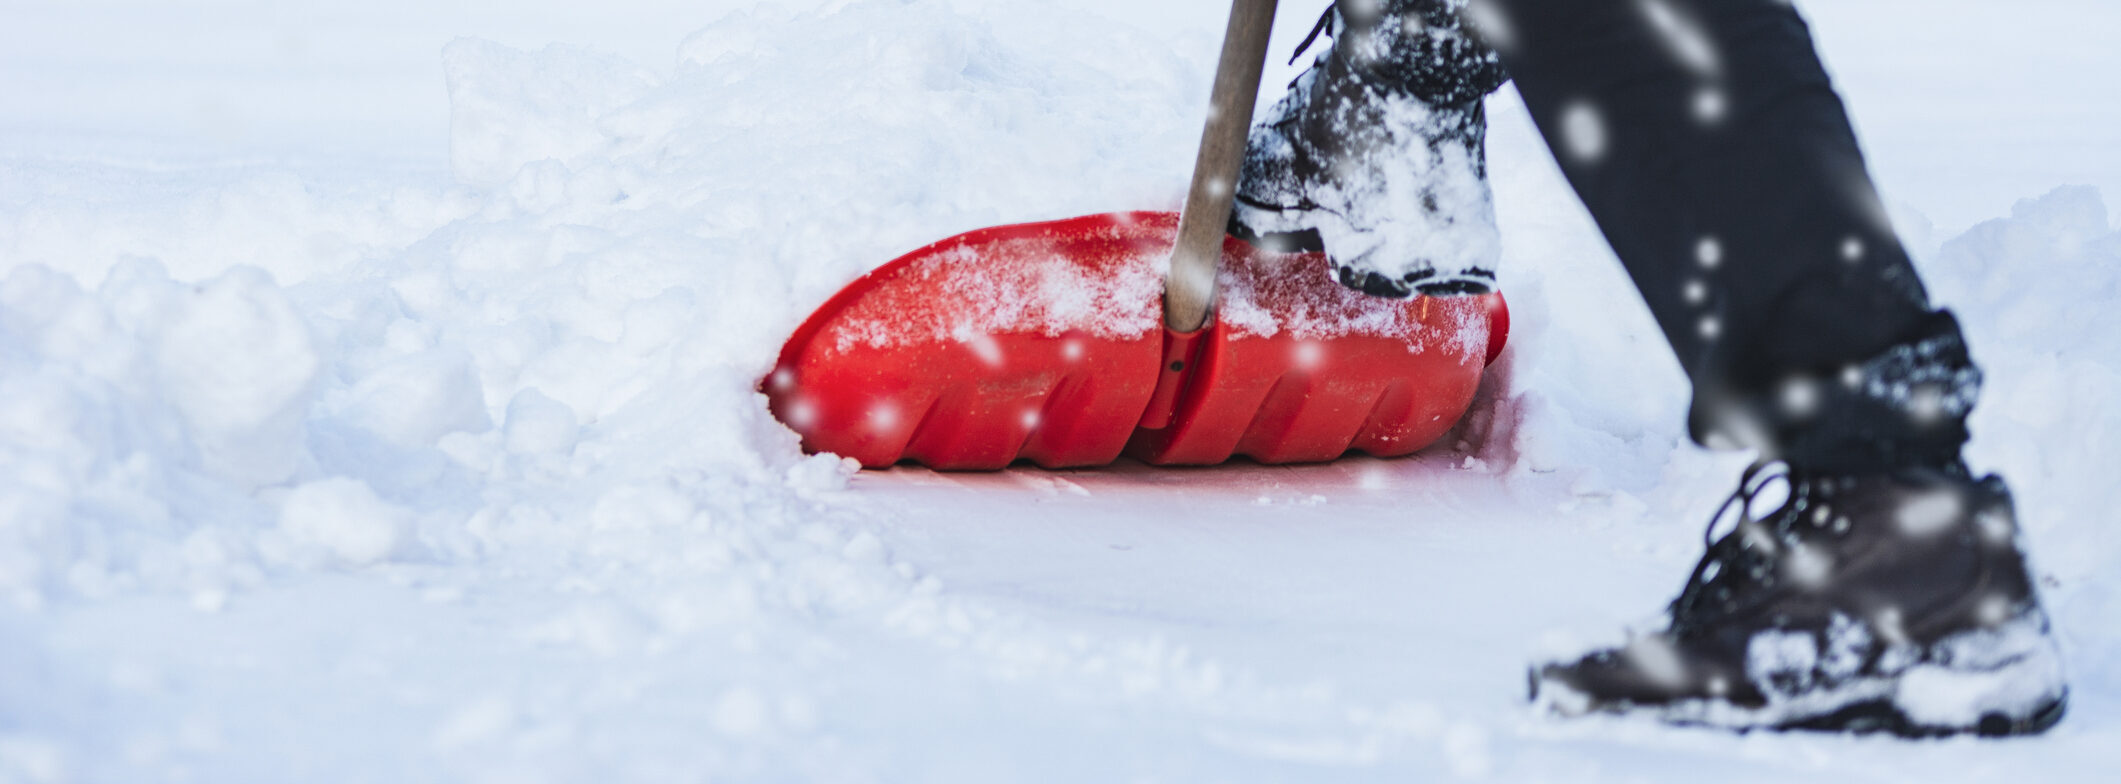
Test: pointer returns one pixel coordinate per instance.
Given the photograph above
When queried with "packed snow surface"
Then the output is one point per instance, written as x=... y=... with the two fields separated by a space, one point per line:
x=1103 y=275
x=378 y=404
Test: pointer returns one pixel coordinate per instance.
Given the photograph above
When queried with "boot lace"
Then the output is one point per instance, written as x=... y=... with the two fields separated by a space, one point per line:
x=1740 y=565
x=1324 y=27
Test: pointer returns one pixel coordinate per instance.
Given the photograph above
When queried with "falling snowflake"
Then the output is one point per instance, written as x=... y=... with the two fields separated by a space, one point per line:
x=1929 y=513
x=1684 y=36
x=1800 y=397
x=1710 y=106
x=884 y=416
x=1583 y=131
x=1709 y=251
x=801 y=414
x=1696 y=292
x=1852 y=377
x=1851 y=249
x=1309 y=354
x=987 y=349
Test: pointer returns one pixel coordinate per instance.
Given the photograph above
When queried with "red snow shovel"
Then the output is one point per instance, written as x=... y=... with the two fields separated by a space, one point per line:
x=1069 y=343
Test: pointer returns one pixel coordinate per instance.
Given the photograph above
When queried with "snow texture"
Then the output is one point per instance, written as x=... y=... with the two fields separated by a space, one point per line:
x=1014 y=286
x=1107 y=281
x=378 y=404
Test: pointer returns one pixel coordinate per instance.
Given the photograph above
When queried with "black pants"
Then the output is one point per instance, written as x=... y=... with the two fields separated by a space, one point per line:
x=1708 y=143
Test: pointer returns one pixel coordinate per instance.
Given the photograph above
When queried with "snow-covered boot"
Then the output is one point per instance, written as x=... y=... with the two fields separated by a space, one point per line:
x=1376 y=154
x=1896 y=600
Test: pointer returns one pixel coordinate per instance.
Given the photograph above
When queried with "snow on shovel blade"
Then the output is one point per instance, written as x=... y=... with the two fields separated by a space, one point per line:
x=1045 y=342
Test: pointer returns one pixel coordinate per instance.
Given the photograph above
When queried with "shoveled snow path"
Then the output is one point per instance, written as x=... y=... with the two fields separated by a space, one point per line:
x=1363 y=576
x=1358 y=621
x=1405 y=596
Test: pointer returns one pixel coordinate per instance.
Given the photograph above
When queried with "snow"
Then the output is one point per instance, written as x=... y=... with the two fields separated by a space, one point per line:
x=342 y=520
x=968 y=292
x=1105 y=278
x=1583 y=131
x=377 y=402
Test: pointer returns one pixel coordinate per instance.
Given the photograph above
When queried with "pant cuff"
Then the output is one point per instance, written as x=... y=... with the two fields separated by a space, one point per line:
x=1904 y=406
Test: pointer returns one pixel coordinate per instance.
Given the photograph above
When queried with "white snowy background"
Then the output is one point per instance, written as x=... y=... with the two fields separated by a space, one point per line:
x=376 y=405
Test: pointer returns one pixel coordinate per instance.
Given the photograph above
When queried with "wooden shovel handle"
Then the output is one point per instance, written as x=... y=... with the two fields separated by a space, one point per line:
x=1189 y=289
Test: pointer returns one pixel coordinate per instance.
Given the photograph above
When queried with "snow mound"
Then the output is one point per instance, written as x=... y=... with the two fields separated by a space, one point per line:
x=529 y=397
x=622 y=258
x=2047 y=419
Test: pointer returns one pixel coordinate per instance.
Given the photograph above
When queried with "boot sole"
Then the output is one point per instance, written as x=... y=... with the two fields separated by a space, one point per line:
x=1862 y=718
x=2004 y=682
x=1883 y=716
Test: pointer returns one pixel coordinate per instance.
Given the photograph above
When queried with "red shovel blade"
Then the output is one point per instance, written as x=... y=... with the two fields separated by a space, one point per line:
x=1044 y=342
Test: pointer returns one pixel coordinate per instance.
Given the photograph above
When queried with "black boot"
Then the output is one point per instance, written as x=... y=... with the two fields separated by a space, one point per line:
x=1376 y=154
x=1868 y=582
x=1896 y=601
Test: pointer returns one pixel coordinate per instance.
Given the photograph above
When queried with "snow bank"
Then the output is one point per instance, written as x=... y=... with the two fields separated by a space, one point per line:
x=2029 y=287
x=623 y=256
x=535 y=381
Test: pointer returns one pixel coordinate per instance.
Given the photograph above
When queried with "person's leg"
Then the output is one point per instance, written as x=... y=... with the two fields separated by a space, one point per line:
x=1886 y=588
x=1711 y=148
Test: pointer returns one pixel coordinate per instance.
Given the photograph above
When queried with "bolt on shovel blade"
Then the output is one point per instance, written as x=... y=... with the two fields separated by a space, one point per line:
x=1044 y=342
